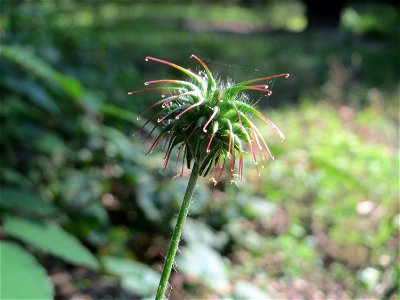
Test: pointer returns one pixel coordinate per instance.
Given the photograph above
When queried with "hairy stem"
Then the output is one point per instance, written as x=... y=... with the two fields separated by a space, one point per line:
x=176 y=236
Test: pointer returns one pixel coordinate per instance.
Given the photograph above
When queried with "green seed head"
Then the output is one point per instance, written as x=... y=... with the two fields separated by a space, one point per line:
x=208 y=121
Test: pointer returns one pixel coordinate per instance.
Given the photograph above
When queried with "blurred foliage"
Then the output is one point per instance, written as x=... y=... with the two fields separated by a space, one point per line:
x=21 y=266
x=364 y=19
x=81 y=202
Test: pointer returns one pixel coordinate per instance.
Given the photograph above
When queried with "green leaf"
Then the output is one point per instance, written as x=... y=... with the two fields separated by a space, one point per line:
x=121 y=113
x=256 y=207
x=135 y=277
x=119 y=143
x=247 y=290
x=196 y=231
x=370 y=276
x=51 y=238
x=24 y=201
x=22 y=276
x=201 y=262
x=334 y=172
x=11 y=176
x=32 y=63
x=34 y=92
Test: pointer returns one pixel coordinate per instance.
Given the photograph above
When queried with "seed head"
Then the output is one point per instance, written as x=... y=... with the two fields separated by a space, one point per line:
x=207 y=120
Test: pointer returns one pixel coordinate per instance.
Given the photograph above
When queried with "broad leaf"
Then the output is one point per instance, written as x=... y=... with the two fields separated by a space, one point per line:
x=121 y=113
x=336 y=173
x=22 y=277
x=24 y=201
x=135 y=277
x=204 y=264
x=32 y=63
x=51 y=238
x=247 y=290
x=196 y=231
x=34 y=92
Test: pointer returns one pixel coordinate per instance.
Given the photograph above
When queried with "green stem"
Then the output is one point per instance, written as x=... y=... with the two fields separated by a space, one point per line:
x=176 y=236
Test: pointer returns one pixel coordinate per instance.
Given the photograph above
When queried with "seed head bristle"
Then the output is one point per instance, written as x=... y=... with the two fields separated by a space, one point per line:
x=189 y=108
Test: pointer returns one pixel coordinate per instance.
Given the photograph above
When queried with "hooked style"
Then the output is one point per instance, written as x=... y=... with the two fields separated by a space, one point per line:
x=208 y=121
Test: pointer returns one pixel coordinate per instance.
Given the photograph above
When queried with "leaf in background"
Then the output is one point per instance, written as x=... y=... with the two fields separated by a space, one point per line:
x=195 y=231
x=248 y=238
x=135 y=276
x=52 y=145
x=24 y=201
x=11 y=176
x=40 y=68
x=247 y=290
x=121 y=113
x=146 y=194
x=80 y=187
x=203 y=263
x=334 y=172
x=370 y=276
x=51 y=238
x=34 y=92
x=22 y=276
x=256 y=207
x=119 y=143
